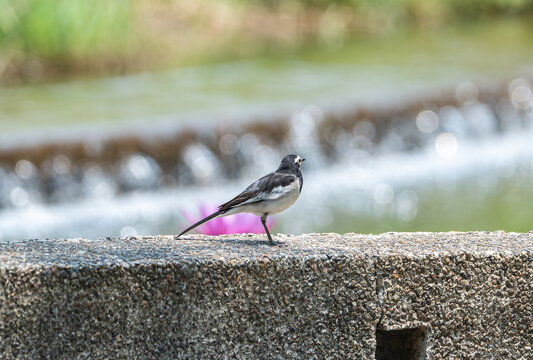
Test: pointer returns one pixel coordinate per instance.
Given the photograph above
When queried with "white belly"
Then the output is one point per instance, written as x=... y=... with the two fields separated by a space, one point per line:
x=272 y=206
x=277 y=205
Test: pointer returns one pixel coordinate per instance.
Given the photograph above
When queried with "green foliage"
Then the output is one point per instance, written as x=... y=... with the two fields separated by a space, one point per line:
x=106 y=36
x=64 y=28
x=477 y=8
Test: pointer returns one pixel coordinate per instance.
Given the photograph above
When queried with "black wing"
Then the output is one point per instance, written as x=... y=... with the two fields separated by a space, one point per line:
x=259 y=190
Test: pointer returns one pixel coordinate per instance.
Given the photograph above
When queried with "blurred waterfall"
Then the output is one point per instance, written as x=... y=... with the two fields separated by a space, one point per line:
x=372 y=161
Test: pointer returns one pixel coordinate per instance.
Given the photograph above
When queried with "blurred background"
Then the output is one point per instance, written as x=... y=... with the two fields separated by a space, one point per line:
x=133 y=117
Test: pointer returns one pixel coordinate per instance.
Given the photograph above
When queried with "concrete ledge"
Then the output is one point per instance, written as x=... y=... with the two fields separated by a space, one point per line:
x=408 y=295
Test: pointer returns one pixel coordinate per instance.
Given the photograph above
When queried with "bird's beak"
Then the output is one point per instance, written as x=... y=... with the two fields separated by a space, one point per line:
x=303 y=160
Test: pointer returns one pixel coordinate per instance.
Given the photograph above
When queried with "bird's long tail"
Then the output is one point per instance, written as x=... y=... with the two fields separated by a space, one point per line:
x=206 y=219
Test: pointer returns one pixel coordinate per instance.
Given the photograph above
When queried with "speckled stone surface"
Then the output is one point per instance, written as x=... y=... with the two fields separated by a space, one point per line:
x=319 y=296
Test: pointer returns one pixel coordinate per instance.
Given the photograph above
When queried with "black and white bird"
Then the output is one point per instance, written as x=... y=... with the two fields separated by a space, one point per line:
x=269 y=195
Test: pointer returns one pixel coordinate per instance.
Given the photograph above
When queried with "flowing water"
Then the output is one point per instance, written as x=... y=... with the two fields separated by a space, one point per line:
x=438 y=138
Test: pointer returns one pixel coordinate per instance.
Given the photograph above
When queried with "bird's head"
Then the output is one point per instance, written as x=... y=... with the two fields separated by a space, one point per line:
x=291 y=162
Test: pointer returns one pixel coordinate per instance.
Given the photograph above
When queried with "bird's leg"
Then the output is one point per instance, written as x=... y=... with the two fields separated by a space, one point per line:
x=263 y=221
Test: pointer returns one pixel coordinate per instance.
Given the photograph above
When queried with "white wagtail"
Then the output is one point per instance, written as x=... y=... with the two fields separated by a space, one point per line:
x=269 y=195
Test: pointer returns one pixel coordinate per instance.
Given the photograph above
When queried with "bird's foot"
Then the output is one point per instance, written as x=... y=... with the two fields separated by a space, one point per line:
x=276 y=243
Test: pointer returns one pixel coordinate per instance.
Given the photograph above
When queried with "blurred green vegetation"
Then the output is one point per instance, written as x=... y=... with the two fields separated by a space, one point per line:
x=411 y=10
x=62 y=34
x=63 y=28
x=43 y=38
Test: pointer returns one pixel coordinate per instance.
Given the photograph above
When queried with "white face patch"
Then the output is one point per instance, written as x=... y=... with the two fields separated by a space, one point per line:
x=298 y=160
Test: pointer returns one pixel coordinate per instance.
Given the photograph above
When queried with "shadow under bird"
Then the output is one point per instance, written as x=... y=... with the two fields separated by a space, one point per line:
x=269 y=195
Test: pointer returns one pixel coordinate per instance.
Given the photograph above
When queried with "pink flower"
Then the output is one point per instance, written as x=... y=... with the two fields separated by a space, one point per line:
x=232 y=224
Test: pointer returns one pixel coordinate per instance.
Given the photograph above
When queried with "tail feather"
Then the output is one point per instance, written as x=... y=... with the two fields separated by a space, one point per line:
x=206 y=219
